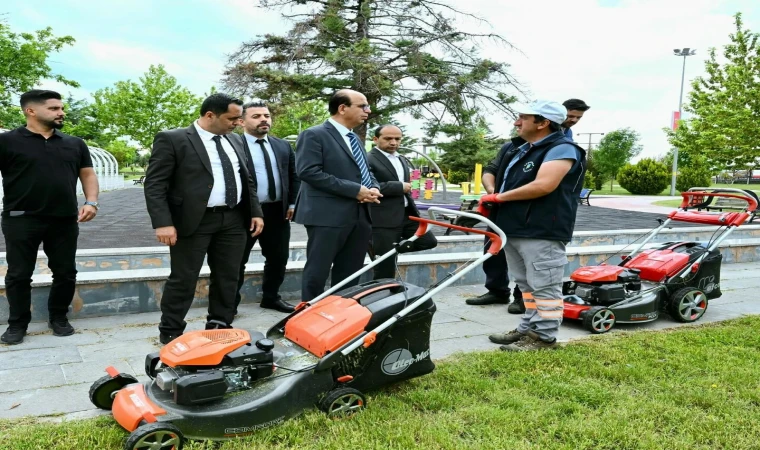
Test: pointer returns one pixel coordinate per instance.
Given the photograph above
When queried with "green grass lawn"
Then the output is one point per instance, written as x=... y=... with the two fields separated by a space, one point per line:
x=689 y=388
x=668 y=203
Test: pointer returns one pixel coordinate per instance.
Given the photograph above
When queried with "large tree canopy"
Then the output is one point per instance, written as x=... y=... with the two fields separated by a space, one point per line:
x=725 y=105
x=615 y=151
x=404 y=55
x=23 y=64
x=140 y=110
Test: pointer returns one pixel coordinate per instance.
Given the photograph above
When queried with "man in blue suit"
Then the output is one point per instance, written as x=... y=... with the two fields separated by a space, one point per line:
x=336 y=189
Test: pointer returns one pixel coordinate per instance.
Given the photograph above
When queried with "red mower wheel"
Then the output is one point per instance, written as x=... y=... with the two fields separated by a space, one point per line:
x=687 y=305
x=599 y=320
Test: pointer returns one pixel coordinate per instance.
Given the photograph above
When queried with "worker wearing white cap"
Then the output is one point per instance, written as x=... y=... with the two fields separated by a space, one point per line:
x=537 y=184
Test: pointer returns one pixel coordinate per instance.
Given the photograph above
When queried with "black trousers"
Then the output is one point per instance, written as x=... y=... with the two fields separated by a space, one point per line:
x=274 y=242
x=220 y=235
x=342 y=248
x=497 y=273
x=383 y=240
x=23 y=235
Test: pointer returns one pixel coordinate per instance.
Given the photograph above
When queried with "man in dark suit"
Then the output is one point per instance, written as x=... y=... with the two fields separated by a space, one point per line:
x=273 y=164
x=201 y=200
x=391 y=221
x=336 y=187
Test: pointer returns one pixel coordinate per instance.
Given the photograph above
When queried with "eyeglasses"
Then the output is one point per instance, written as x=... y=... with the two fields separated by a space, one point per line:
x=364 y=107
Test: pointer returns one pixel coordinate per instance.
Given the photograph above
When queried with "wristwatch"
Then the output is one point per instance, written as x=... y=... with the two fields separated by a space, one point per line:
x=95 y=204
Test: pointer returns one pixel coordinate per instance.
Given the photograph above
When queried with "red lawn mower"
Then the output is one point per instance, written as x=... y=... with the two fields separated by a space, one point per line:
x=678 y=278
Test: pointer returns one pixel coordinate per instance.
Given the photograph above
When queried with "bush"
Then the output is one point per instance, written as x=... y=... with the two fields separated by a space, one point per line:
x=697 y=176
x=589 y=181
x=458 y=176
x=647 y=177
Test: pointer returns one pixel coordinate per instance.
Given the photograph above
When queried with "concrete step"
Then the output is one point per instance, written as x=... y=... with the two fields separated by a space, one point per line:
x=139 y=290
x=116 y=259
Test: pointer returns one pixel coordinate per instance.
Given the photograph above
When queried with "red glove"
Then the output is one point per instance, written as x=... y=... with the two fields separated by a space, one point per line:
x=486 y=201
x=490 y=198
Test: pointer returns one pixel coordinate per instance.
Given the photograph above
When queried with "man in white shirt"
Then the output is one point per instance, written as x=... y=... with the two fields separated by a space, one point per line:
x=390 y=217
x=202 y=201
x=273 y=164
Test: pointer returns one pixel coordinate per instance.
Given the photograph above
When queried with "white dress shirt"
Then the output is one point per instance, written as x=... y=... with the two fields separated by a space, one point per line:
x=217 y=197
x=343 y=132
x=399 y=166
x=260 y=167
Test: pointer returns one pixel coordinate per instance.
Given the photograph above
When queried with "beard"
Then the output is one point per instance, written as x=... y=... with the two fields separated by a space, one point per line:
x=53 y=124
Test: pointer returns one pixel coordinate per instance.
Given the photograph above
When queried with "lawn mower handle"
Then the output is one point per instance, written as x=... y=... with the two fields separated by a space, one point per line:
x=718 y=192
x=498 y=238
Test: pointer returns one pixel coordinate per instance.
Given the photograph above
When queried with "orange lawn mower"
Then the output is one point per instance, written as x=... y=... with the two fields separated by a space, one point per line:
x=223 y=384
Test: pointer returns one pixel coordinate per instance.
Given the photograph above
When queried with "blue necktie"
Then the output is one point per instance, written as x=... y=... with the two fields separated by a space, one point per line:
x=357 y=151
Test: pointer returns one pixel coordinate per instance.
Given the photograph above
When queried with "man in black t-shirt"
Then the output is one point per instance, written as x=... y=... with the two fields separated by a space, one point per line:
x=40 y=167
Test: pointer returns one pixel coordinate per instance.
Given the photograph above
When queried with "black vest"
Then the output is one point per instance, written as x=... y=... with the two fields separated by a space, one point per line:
x=551 y=217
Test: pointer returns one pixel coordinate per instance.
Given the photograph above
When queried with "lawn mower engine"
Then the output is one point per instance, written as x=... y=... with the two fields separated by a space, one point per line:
x=205 y=366
x=603 y=285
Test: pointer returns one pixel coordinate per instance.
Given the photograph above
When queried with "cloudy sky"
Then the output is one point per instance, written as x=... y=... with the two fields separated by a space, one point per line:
x=617 y=55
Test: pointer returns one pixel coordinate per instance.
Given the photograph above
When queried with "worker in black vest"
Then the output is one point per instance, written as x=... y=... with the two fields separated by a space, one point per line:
x=495 y=268
x=538 y=183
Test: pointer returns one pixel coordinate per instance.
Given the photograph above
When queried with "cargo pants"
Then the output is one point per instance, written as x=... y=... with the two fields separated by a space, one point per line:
x=538 y=267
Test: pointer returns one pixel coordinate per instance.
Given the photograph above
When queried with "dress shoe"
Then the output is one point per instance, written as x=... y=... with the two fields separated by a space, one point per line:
x=217 y=325
x=13 y=336
x=489 y=298
x=518 y=307
x=279 y=305
x=61 y=326
x=166 y=338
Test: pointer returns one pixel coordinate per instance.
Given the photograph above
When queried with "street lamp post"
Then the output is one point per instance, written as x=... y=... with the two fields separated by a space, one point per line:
x=682 y=52
x=590 y=135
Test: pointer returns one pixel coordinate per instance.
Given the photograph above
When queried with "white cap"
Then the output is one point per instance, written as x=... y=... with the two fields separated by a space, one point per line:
x=551 y=110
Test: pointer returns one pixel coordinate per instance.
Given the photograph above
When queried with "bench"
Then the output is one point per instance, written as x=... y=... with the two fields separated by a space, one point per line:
x=583 y=197
x=722 y=203
x=140 y=181
x=470 y=206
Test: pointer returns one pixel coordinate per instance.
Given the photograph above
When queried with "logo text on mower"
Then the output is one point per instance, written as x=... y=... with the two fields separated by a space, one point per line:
x=251 y=429
x=398 y=360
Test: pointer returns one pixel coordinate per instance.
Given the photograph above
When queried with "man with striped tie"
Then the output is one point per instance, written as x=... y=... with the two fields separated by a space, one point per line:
x=336 y=187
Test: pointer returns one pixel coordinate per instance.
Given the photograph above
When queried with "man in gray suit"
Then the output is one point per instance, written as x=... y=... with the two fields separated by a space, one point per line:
x=336 y=187
x=273 y=165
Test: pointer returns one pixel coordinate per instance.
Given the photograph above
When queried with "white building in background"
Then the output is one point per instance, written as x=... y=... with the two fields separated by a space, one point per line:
x=106 y=168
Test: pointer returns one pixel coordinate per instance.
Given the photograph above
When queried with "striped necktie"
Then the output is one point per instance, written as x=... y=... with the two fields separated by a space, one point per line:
x=358 y=153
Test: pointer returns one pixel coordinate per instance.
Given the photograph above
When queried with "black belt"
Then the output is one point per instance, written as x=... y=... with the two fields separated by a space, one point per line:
x=222 y=208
